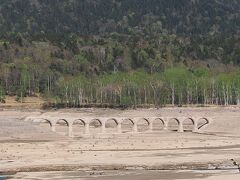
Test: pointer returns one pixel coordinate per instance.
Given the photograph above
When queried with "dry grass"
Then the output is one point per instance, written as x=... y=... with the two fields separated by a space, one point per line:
x=28 y=102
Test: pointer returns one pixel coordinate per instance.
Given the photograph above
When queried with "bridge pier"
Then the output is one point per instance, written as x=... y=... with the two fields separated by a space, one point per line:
x=150 y=126
x=180 y=127
x=87 y=130
x=53 y=127
x=165 y=125
x=135 y=128
x=70 y=130
x=119 y=128
x=195 y=128
x=103 y=128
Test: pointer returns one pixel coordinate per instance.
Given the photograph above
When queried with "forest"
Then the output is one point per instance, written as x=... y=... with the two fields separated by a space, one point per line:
x=120 y=52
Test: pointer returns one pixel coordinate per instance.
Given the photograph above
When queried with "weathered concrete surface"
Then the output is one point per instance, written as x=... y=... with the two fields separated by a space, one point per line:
x=86 y=121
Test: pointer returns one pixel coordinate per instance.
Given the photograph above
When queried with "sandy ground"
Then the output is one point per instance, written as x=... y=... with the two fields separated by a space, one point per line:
x=32 y=150
x=132 y=175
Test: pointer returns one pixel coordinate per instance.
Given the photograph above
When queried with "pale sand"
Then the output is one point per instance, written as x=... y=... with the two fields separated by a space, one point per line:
x=30 y=147
x=132 y=175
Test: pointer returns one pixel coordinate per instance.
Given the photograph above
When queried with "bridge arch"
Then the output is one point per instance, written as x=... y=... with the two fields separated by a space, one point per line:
x=111 y=125
x=96 y=120
x=144 y=119
x=203 y=121
x=127 y=124
x=112 y=119
x=62 y=120
x=128 y=120
x=189 y=118
x=173 y=124
x=44 y=120
x=95 y=126
x=62 y=127
x=78 y=127
x=188 y=124
x=158 y=126
x=79 y=120
x=174 y=119
x=142 y=124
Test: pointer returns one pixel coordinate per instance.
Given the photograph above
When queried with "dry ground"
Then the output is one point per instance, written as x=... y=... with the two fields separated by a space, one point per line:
x=32 y=147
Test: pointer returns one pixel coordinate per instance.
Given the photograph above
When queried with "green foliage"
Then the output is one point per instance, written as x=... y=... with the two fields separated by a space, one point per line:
x=201 y=72
x=2 y=95
x=21 y=93
x=129 y=23
x=122 y=53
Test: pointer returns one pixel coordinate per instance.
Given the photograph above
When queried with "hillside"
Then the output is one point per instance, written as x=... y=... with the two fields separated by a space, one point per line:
x=186 y=17
x=45 y=45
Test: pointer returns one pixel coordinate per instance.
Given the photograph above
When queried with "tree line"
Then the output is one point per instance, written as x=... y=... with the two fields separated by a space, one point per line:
x=175 y=86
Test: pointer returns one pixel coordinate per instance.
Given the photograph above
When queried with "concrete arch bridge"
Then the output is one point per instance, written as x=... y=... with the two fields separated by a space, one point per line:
x=196 y=123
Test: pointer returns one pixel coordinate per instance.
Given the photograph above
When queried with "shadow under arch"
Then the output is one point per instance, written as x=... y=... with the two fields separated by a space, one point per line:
x=59 y=121
x=202 y=122
x=62 y=126
x=44 y=121
x=158 y=126
x=173 y=124
x=78 y=127
x=144 y=119
x=111 y=125
x=129 y=120
x=188 y=124
x=77 y=121
x=143 y=124
x=127 y=125
x=95 y=126
x=111 y=119
x=93 y=121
